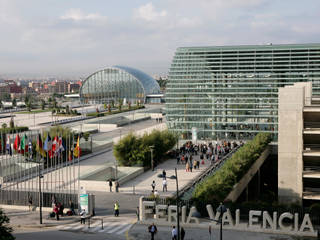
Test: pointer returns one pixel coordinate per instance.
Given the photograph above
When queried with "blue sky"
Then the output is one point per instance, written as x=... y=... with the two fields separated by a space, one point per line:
x=77 y=37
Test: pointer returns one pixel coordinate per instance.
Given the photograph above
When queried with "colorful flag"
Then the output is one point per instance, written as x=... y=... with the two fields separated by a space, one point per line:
x=61 y=145
x=16 y=145
x=39 y=147
x=55 y=146
x=30 y=147
x=77 y=150
x=70 y=156
x=8 y=146
x=47 y=143
x=23 y=144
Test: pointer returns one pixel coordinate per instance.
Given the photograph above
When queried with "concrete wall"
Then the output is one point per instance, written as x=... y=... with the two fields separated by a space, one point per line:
x=290 y=143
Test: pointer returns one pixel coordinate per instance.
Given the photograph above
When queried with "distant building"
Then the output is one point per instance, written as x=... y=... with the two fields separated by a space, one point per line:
x=231 y=92
x=118 y=83
x=73 y=87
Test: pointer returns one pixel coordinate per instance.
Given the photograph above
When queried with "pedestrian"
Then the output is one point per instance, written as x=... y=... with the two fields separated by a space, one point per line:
x=110 y=184
x=153 y=185
x=178 y=159
x=156 y=194
x=190 y=167
x=195 y=164
x=138 y=213
x=198 y=164
x=56 y=211
x=116 y=209
x=164 y=185
x=117 y=185
x=153 y=230
x=30 y=202
x=164 y=174
x=183 y=233
x=187 y=167
x=72 y=207
x=83 y=216
x=174 y=233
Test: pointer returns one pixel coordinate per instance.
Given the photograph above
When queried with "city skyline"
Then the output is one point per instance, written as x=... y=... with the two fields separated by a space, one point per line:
x=76 y=38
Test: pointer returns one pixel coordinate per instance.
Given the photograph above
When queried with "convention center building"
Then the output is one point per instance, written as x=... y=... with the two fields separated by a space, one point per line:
x=119 y=83
x=231 y=92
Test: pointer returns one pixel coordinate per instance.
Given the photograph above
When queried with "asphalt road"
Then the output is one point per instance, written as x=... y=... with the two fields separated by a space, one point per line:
x=65 y=235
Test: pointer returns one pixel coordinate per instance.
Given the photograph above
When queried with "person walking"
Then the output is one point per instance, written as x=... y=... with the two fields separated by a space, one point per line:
x=117 y=185
x=30 y=202
x=164 y=174
x=56 y=211
x=183 y=233
x=174 y=233
x=110 y=184
x=153 y=185
x=83 y=216
x=116 y=209
x=164 y=185
x=152 y=230
x=187 y=167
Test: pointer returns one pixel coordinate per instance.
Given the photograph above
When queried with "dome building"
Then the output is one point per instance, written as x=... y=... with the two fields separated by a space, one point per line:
x=118 y=83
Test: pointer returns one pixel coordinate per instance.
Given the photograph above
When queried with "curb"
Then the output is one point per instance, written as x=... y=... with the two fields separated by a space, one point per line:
x=44 y=225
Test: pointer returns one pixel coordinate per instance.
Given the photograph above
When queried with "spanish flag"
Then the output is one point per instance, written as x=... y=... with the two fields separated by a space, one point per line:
x=77 y=150
x=39 y=147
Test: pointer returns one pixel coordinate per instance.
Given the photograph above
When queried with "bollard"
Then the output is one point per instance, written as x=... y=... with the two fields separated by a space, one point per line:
x=102 y=223
x=133 y=189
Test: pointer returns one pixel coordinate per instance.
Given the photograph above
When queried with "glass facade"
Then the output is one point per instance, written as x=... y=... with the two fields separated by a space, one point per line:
x=118 y=82
x=231 y=92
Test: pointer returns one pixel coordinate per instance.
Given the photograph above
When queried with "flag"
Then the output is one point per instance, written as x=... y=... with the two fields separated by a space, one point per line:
x=23 y=144
x=16 y=145
x=39 y=147
x=55 y=146
x=8 y=146
x=70 y=156
x=61 y=144
x=30 y=147
x=47 y=143
x=77 y=150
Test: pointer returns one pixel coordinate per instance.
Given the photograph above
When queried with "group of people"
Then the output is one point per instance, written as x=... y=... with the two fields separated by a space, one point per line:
x=116 y=183
x=164 y=184
x=212 y=152
x=174 y=232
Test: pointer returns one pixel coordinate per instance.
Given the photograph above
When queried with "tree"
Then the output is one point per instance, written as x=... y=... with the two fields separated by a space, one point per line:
x=4 y=125
x=14 y=102
x=67 y=109
x=120 y=102
x=5 y=231
x=129 y=105
x=29 y=106
x=109 y=108
x=43 y=104
x=11 y=124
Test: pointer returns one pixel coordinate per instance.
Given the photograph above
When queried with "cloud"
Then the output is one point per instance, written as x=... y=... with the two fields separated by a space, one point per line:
x=77 y=15
x=147 y=12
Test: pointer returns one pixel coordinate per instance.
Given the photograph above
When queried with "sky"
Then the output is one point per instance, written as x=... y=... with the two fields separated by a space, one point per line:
x=79 y=37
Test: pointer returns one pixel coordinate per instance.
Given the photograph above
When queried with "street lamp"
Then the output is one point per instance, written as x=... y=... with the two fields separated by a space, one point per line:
x=151 y=150
x=221 y=209
x=177 y=189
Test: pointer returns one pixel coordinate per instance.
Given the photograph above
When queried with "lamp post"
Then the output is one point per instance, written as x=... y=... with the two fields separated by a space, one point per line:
x=222 y=209
x=40 y=193
x=177 y=191
x=152 y=164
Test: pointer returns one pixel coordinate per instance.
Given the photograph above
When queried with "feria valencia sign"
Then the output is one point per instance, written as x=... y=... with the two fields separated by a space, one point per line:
x=259 y=221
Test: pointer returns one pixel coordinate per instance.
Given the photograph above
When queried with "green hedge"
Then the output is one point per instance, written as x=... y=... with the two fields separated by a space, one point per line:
x=14 y=130
x=133 y=150
x=216 y=187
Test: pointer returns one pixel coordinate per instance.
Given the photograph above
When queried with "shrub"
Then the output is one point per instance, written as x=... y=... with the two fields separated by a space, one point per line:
x=133 y=150
x=216 y=187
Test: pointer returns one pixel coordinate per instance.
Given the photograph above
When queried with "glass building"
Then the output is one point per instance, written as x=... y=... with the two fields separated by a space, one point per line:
x=118 y=82
x=232 y=91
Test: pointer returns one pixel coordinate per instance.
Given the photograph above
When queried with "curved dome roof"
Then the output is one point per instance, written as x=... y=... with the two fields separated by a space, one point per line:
x=149 y=84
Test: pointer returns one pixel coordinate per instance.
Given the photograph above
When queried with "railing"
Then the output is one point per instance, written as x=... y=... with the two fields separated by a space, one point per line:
x=311 y=124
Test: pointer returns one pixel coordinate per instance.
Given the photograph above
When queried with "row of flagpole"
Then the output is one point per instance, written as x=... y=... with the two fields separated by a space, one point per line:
x=18 y=161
